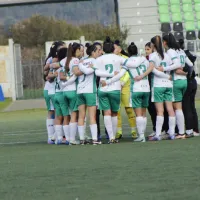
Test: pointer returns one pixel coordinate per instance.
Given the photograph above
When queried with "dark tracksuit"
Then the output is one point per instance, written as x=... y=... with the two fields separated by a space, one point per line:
x=188 y=104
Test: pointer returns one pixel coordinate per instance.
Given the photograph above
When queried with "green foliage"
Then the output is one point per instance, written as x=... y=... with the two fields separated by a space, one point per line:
x=99 y=32
x=38 y=29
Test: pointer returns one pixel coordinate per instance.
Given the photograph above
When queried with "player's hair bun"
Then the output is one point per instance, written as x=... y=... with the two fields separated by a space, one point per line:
x=108 y=40
x=87 y=44
x=117 y=42
x=132 y=44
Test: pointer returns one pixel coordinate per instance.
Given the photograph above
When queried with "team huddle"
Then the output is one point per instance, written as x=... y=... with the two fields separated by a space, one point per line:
x=108 y=79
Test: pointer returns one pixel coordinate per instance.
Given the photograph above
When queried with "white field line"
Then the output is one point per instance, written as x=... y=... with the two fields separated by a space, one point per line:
x=42 y=131
x=13 y=143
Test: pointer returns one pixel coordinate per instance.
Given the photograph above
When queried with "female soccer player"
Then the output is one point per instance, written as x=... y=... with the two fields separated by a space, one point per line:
x=49 y=90
x=139 y=90
x=151 y=107
x=87 y=94
x=109 y=96
x=179 y=79
x=125 y=97
x=61 y=109
x=69 y=88
x=161 y=87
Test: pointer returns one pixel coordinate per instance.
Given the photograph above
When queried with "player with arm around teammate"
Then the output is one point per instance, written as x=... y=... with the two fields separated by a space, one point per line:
x=140 y=90
x=179 y=79
x=109 y=96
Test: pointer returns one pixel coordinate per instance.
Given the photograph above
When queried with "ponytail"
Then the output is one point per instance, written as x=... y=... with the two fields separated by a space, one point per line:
x=156 y=41
x=69 y=57
x=171 y=41
x=71 y=52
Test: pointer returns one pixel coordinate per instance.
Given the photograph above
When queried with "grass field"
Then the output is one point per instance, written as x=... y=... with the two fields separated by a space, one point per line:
x=32 y=170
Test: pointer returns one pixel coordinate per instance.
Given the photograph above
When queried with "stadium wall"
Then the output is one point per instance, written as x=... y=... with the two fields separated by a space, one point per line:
x=7 y=71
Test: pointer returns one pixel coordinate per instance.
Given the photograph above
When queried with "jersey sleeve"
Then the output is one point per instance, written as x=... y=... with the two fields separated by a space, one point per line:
x=122 y=60
x=74 y=63
x=49 y=60
x=86 y=70
x=134 y=62
x=152 y=59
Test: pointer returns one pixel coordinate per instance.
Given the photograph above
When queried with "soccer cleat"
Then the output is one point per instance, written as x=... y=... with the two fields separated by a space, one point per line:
x=164 y=136
x=82 y=142
x=112 y=141
x=152 y=134
x=50 y=141
x=67 y=142
x=172 y=137
x=134 y=134
x=94 y=142
x=119 y=134
x=140 y=139
x=72 y=143
x=58 y=142
x=155 y=138
x=180 y=136
x=189 y=135
x=196 y=134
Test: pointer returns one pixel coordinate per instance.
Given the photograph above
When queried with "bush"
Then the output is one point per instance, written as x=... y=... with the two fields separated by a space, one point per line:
x=35 y=31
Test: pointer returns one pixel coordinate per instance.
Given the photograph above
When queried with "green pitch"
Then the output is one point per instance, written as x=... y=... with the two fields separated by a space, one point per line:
x=32 y=170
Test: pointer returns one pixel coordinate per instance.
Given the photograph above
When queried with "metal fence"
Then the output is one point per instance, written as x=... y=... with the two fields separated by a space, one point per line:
x=33 y=83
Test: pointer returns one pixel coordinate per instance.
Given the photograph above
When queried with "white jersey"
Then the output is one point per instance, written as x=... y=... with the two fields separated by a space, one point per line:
x=158 y=61
x=175 y=55
x=74 y=62
x=50 y=86
x=134 y=71
x=46 y=86
x=110 y=63
x=87 y=82
x=182 y=57
x=58 y=81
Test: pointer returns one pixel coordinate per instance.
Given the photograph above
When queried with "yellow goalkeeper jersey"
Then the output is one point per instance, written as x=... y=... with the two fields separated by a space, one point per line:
x=126 y=80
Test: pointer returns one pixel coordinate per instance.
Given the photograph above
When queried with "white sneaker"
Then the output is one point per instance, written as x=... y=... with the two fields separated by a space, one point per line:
x=140 y=139
x=196 y=134
x=152 y=134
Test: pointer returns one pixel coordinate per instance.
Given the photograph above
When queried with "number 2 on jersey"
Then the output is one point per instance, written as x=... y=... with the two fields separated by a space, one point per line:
x=109 y=68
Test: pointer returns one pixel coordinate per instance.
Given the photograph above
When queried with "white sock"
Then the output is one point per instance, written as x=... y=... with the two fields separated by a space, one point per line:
x=114 y=125
x=59 y=132
x=81 y=130
x=93 y=129
x=145 y=123
x=66 y=132
x=50 y=128
x=172 y=124
x=72 y=131
x=180 y=121
x=108 y=125
x=159 y=124
x=140 y=126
